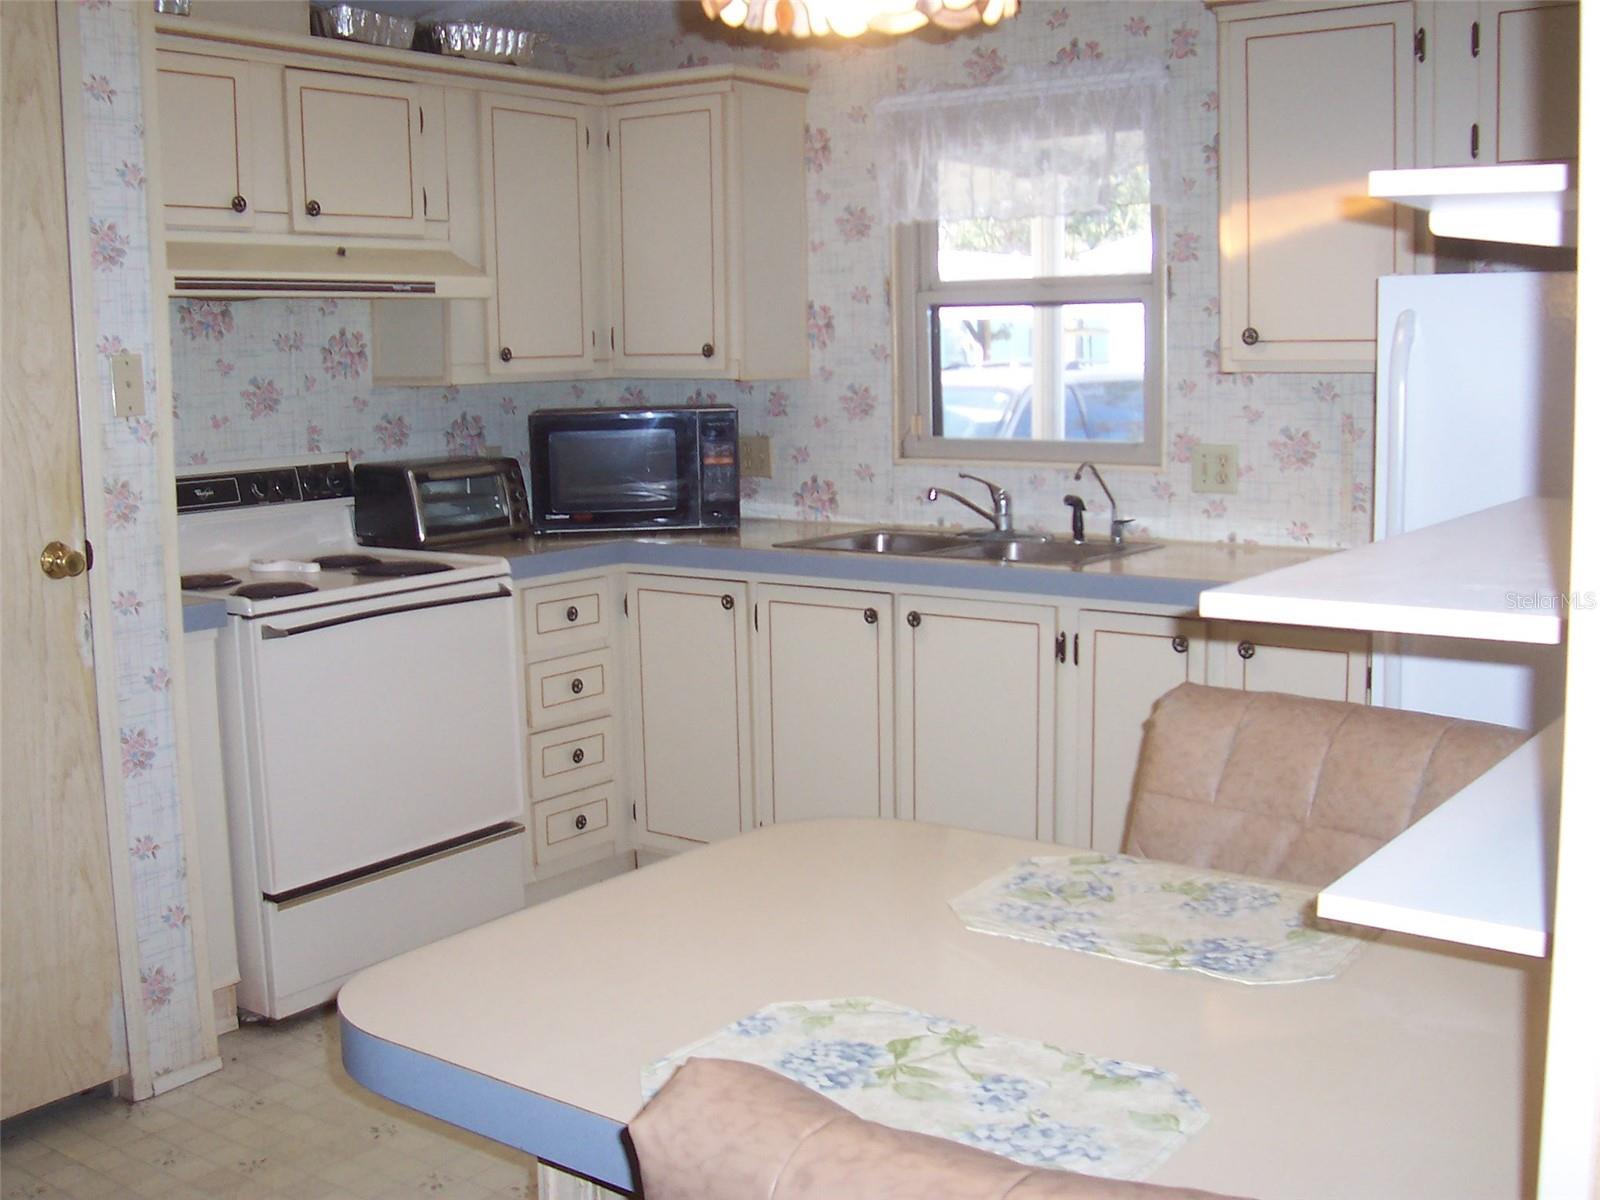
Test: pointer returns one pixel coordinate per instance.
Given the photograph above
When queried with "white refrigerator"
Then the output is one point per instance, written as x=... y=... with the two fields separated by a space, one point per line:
x=1474 y=409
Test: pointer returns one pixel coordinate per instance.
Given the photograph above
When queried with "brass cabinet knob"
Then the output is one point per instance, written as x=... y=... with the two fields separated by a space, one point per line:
x=1247 y=650
x=870 y=616
x=580 y=822
x=727 y=603
x=577 y=756
x=60 y=561
x=707 y=350
x=505 y=353
x=1250 y=337
x=577 y=687
x=239 y=204
x=1180 y=644
x=313 y=209
x=913 y=619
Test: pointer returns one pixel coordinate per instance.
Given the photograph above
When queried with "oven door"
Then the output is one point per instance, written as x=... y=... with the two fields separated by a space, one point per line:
x=616 y=470
x=378 y=730
x=467 y=504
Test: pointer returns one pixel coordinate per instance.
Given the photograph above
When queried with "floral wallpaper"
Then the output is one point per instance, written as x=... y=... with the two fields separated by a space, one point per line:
x=270 y=377
x=139 y=567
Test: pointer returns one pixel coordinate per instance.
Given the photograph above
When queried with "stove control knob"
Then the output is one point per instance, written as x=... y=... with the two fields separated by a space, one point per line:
x=275 y=490
x=258 y=490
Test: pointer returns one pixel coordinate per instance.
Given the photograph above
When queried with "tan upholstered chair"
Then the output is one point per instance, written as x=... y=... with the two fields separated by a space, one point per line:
x=723 y=1130
x=1288 y=788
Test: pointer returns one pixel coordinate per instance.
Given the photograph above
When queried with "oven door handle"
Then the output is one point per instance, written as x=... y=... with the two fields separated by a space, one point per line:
x=272 y=632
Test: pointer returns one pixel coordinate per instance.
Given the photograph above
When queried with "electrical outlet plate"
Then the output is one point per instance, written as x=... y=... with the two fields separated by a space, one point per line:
x=755 y=456
x=127 y=384
x=1215 y=468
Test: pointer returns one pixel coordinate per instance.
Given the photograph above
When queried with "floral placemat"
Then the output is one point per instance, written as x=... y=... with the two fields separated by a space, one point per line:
x=1163 y=915
x=1034 y=1103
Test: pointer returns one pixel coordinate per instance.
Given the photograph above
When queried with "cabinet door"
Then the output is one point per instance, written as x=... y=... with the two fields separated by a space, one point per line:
x=206 y=154
x=824 y=703
x=535 y=184
x=1324 y=664
x=1310 y=104
x=1126 y=662
x=667 y=210
x=692 y=735
x=355 y=155
x=975 y=718
x=1529 y=89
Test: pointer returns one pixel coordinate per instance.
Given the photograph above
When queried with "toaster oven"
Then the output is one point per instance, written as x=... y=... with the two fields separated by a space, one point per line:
x=423 y=504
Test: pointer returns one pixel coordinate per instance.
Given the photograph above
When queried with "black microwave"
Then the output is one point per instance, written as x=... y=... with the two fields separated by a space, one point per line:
x=600 y=469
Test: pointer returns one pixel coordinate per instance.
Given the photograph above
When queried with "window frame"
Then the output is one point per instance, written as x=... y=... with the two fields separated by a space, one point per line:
x=916 y=290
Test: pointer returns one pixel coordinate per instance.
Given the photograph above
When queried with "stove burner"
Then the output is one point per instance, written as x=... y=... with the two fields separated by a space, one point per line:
x=272 y=590
x=343 y=562
x=200 y=583
x=396 y=568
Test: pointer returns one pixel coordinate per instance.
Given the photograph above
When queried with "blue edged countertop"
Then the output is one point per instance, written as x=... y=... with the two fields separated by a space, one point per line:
x=1173 y=574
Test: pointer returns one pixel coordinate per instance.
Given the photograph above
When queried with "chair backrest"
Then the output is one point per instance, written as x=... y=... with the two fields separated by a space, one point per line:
x=1289 y=788
x=724 y=1130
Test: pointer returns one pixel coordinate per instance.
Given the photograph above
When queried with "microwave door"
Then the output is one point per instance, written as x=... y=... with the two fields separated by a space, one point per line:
x=642 y=474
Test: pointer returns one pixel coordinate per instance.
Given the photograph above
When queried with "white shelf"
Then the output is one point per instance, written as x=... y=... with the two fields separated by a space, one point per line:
x=1478 y=870
x=1499 y=575
x=1532 y=203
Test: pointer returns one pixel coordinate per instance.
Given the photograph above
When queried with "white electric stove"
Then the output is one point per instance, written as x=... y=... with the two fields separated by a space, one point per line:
x=371 y=737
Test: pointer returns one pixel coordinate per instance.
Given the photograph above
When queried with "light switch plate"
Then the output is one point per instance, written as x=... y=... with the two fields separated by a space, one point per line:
x=755 y=456
x=127 y=384
x=1215 y=467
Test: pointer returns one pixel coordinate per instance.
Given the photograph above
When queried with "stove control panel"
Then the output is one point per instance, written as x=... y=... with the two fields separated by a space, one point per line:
x=271 y=485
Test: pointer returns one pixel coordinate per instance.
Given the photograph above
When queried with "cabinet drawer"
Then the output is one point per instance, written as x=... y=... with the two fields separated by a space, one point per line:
x=564 y=690
x=572 y=824
x=565 y=617
x=575 y=756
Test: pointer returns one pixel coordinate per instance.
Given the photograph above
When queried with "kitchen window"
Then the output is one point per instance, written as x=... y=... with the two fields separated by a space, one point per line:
x=1029 y=285
x=1032 y=339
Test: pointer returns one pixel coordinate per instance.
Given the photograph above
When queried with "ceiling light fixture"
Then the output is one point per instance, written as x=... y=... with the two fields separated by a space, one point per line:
x=852 y=18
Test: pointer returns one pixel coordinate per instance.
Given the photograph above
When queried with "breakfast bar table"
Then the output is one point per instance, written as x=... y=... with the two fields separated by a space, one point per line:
x=1412 y=1073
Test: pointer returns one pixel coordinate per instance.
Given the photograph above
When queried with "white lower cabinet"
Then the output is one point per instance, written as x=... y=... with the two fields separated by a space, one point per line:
x=573 y=742
x=691 y=725
x=1126 y=662
x=975 y=716
x=1325 y=664
x=824 y=703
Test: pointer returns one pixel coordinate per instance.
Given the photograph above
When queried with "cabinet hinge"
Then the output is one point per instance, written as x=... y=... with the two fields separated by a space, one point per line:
x=1419 y=45
x=1061 y=647
x=613 y=337
x=1074 y=649
x=624 y=603
x=608 y=139
x=1369 y=679
x=586 y=137
x=755 y=615
x=1476 y=46
x=424 y=201
x=1473 y=140
x=422 y=118
x=635 y=812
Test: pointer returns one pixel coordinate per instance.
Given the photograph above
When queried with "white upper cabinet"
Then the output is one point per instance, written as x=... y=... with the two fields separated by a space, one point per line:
x=539 y=235
x=669 y=293
x=434 y=128
x=707 y=231
x=1311 y=102
x=207 y=160
x=1505 y=81
x=355 y=155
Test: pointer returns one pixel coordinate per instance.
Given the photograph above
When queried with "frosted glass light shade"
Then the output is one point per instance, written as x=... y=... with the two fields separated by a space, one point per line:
x=852 y=18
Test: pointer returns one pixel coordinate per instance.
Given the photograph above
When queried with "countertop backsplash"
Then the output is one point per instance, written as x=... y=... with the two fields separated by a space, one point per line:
x=270 y=377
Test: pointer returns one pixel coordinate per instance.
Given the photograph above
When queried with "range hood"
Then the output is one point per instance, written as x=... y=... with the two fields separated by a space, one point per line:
x=240 y=270
x=1535 y=204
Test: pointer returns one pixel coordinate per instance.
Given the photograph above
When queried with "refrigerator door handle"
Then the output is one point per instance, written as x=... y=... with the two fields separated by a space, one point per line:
x=1392 y=505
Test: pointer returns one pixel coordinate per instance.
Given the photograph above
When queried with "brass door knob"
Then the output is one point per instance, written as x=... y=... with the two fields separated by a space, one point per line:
x=60 y=561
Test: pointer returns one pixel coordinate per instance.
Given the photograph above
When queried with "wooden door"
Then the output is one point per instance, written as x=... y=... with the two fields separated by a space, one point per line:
x=1310 y=104
x=536 y=180
x=61 y=1026
x=1126 y=662
x=691 y=649
x=824 y=703
x=207 y=157
x=355 y=155
x=670 y=308
x=975 y=720
x=1324 y=664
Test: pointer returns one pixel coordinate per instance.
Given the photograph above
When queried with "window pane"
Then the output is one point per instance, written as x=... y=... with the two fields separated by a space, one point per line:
x=985 y=248
x=1102 y=372
x=991 y=361
x=1113 y=241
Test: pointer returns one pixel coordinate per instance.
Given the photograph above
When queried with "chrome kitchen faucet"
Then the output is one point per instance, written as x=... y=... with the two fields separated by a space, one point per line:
x=1116 y=522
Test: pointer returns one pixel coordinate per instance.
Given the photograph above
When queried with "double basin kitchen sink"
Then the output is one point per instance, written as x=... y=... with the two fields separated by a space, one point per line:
x=982 y=547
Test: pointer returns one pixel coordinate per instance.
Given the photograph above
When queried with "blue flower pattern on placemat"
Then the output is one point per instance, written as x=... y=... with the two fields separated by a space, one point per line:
x=1033 y=1102
x=1161 y=915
